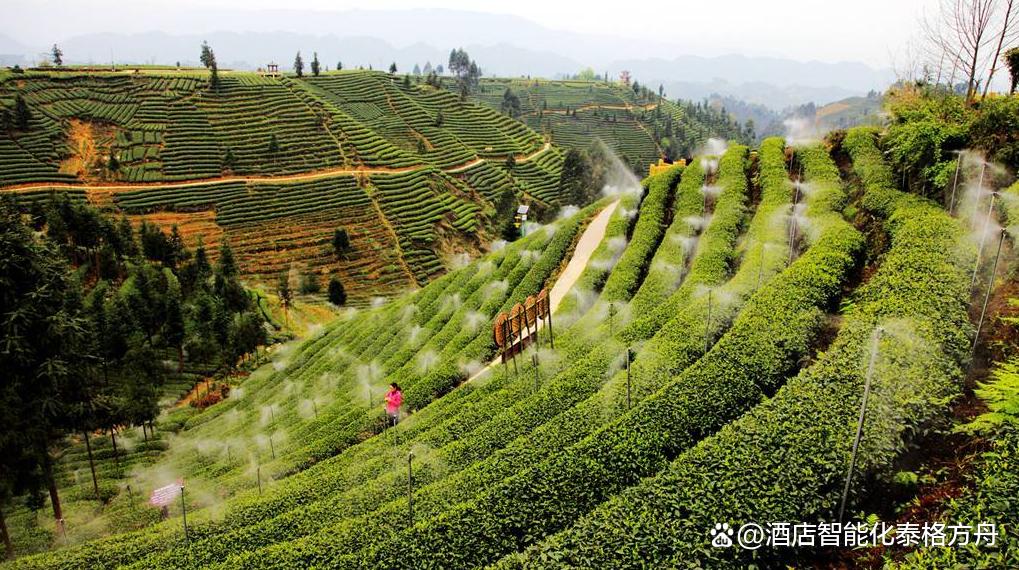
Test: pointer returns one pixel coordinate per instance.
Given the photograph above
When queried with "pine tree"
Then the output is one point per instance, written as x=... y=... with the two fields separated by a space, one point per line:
x=285 y=294
x=58 y=56
x=341 y=241
x=314 y=64
x=112 y=164
x=337 y=294
x=299 y=65
x=206 y=57
x=339 y=66
x=22 y=115
x=230 y=160
x=273 y=149
x=392 y=68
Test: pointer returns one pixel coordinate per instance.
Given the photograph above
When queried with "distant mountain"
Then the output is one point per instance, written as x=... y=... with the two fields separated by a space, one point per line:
x=503 y=45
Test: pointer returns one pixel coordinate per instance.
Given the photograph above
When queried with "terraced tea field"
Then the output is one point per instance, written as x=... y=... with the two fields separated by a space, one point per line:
x=709 y=365
x=276 y=165
x=635 y=126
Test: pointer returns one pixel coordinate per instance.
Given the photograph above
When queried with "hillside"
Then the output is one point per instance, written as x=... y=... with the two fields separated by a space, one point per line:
x=275 y=165
x=709 y=364
x=637 y=125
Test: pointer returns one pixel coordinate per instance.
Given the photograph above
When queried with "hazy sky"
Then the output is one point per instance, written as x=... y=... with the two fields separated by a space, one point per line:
x=871 y=31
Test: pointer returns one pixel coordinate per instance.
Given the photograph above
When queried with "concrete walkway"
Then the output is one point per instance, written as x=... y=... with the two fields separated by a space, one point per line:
x=586 y=246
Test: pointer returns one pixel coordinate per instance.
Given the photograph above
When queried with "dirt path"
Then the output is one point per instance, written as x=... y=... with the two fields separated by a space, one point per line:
x=586 y=246
x=314 y=175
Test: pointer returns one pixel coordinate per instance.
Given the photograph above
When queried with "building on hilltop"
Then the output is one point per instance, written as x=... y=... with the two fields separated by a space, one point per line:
x=272 y=69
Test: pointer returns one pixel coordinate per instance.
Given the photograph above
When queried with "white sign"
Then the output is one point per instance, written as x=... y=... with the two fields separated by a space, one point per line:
x=165 y=495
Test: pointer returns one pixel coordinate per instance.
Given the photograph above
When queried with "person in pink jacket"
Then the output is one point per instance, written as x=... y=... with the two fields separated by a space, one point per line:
x=394 y=399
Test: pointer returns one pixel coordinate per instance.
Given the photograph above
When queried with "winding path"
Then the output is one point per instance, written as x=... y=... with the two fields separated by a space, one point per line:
x=313 y=175
x=586 y=246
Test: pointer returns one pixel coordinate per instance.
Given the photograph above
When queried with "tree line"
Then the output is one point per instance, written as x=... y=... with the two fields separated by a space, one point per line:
x=94 y=316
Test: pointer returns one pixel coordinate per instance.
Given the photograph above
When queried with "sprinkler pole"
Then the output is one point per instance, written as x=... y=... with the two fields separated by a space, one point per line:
x=184 y=510
x=410 y=488
x=859 y=424
x=537 y=375
x=707 y=325
x=551 y=339
x=272 y=448
x=628 y=389
x=955 y=184
x=983 y=238
x=987 y=297
x=259 y=476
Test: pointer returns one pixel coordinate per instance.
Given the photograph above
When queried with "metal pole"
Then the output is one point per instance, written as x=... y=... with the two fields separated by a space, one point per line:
x=314 y=407
x=955 y=184
x=983 y=238
x=272 y=448
x=628 y=389
x=551 y=339
x=707 y=325
x=859 y=423
x=184 y=509
x=987 y=297
x=259 y=476
x=410 y=488
x=537 y=376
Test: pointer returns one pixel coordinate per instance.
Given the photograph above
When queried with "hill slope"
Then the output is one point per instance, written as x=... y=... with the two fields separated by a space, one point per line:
x=639 y=126
x=276 y=164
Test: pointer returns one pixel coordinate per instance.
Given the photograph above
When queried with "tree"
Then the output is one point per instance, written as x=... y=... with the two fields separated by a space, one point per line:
x=466 y=71
x=310 y=283
x=427 y=70
x=1009 y=29
x=439 y=70
x=337 y=295
x=58 y=56
x=173 y=327
x=959 y=37
x=505 y=215
x=341 y=241
x=299 y=65
x=45 y=338
x=230 y=160
x=392 y=68
x=208 y=59
x=575 y=175
x=417 y=70
x=511 y=162
x=339 y=65
x=246 y=335
x=1012 y=61
x=207 y=56
x=406 y=81
x=314 y=64
x=510 y=103
x=214 y=76
x=439 y=118
x=273 y=149
x=112 y=163
x=22 y=115
x=285 y=294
